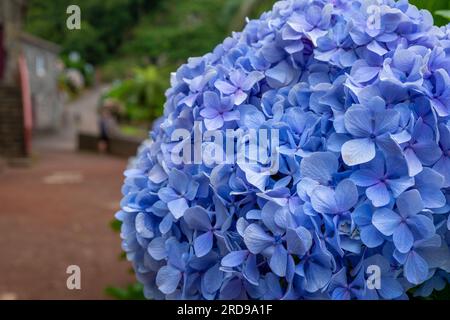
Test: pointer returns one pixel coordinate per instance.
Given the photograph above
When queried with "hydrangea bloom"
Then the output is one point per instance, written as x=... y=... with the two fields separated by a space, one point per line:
x=359 y=93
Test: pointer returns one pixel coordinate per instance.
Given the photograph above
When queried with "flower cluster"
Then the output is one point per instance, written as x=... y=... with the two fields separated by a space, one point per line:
x=359 y=91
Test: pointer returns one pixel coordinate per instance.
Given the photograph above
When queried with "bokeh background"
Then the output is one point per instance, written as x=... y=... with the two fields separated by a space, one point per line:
x=88 y=98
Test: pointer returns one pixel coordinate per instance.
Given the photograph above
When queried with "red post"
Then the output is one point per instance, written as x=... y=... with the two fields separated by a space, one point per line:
x=26 y=103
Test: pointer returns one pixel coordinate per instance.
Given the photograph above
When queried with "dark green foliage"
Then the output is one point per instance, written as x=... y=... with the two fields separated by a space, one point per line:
x=178 y=29
x=104 y=26
x=436 y=295
x=115 y=225
x=131 y=292
x=433 y=6
x=142 y=95
x=162 y=32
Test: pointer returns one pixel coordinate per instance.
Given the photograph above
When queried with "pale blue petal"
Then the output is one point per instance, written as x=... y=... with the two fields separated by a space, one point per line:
x=157 y=249
x=203 y=244
x=212 y=279
x=197 y=218
x=358 y=151
x=178 y=207
x=235 y=258
x=323 y=200
x=386 y=221
x=319 y=166
x=416 y=268
x=378 y=194
x=278 y=261
x=403 y=238
x=409 y=203
x=299 y=241
x=256 y=239
x=346 y=195
x=167 y=279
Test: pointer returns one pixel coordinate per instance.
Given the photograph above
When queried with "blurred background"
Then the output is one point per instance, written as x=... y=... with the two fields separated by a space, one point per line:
x=74 y=106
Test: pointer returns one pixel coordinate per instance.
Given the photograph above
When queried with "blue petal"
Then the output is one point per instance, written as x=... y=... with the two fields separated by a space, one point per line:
x=428 y=152
x=403 y=238
x=197 y=218
x=212 y=279
x=422 y=225
x=378 y=194
x=443 y=167
x=166 y=224
x=362 y=215
x=323 y=200
x=250 y=117
x=387 y=122
x=251 y=271
x=358 y=122
x=390 y=288
x=231 y=290
x=256 y=239
x=167 y=279
x=416 y=268
x=178 y=207
x=252 y=78
x=358 y=151
x=386 y=221
x=409 y=203
x=346 y=195
x=317 y=276
x=280 y=76
x=225 y=87
x=235 y=258
x=203 y=244
x=179 y=181
x=167 y=194
x=143 y=225
x=398 y=186
x=215 y=123
x=371 y=237
x=211 y=100
x=339 y=280
x=341 y=294
x=157 y=248
x=429 y=184
x=319 y=166
x=278 y=261
x=414 y=164
x=157 y=174
x=299 y=241
x=364 y=178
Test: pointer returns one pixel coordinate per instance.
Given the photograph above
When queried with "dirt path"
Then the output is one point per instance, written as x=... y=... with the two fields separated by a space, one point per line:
x=57 y=213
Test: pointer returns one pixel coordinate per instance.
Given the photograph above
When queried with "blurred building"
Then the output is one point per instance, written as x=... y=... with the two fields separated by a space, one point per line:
x=29 y=95
x=42 y=59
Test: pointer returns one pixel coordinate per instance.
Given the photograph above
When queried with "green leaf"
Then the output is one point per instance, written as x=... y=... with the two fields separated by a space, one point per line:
x=132 y=292
x=115 y=225
x=443 y=13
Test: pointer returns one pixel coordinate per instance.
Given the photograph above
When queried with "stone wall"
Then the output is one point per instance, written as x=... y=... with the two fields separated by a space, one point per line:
x=42 y=59
x=12 y=142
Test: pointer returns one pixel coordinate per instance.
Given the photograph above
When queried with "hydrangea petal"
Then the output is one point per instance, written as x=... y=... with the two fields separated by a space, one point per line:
x=358 y=151
x=167 y=279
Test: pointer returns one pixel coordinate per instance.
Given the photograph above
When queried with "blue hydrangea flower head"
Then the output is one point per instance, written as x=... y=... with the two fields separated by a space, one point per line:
x=355 y=93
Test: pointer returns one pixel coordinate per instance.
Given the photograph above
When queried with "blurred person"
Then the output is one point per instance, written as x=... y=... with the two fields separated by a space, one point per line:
x=108 y=127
